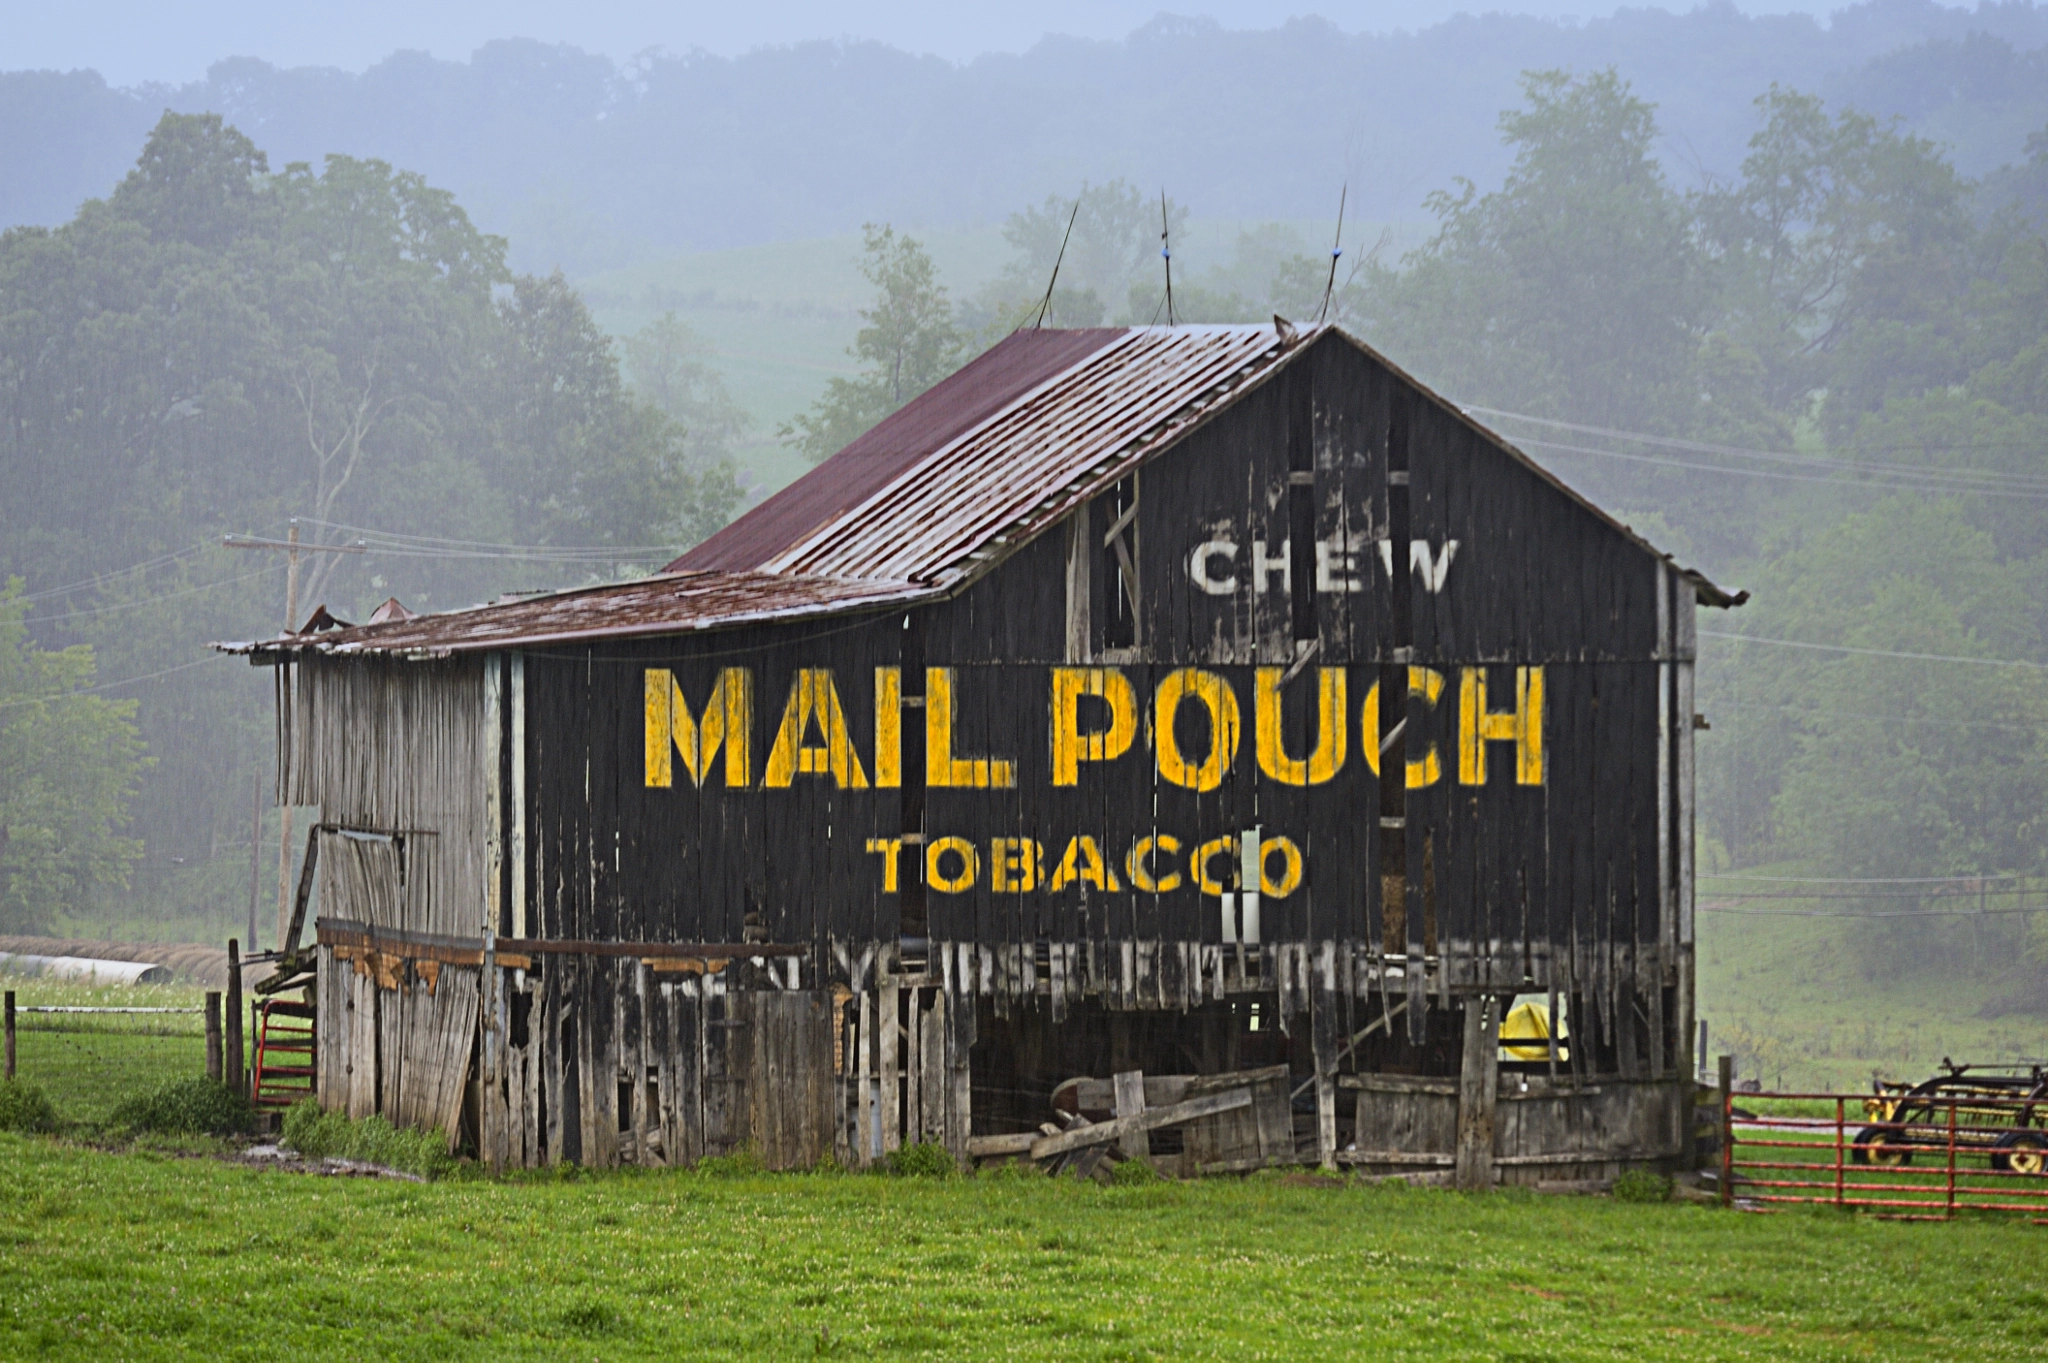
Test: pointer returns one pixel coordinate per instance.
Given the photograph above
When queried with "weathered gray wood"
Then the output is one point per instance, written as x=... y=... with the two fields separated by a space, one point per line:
x=1324 y=1031
x=1478 y=1081
x=1264 y=1132
x=1099 y=1095
x=213 y=1053
x=934 y=1084
x=1101 y=1133
x=1130 y=1102
x=865 y=1115
x=1011 y=1143
x=236 y=1056
x=887 y=1065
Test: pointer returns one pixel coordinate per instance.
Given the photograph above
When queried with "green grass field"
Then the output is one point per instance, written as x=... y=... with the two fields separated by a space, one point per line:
x=88 y=1063
x=1789 y=997
x=145 y=1256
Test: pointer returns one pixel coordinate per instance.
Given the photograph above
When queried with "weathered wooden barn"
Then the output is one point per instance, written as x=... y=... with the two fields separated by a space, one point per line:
x=1212 y=702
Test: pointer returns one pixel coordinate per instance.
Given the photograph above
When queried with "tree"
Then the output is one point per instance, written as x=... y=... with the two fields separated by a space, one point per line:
x=218 y=348
x=1115 y=238
x=1841 y=253
x=1574 y=290
x=68 y=765
x=908 y=344
x=669 y=366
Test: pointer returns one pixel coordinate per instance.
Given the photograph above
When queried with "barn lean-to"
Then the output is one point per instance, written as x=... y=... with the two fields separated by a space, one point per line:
x=1038 y=735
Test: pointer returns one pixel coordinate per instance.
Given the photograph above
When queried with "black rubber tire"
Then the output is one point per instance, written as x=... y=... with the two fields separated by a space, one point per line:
x=2035 y=1161
x=1873 y=1138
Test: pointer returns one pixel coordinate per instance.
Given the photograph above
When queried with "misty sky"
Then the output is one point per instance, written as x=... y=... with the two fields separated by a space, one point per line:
x=132 y=41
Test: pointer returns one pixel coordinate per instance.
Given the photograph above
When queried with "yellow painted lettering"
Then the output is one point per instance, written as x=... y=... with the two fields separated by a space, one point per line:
x=970 y=865
x=1425 y=770
x=941 y=768
x=1082 y=861
x=888 y=728
x=1290 y=868
x=1332 y=728
x=888 y=848
x=1071 y=747
x=814 y=698
x=727 y=720
x=1138 y=865
x=1198 y=865
x=1522 y=726
x=1213 y=693
x=1015 y=864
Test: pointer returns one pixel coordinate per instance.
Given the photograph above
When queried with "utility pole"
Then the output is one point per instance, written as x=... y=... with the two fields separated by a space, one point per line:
x=292 y=549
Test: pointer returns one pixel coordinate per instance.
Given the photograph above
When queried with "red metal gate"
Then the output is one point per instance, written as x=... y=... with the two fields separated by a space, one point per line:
x=1926 y=1159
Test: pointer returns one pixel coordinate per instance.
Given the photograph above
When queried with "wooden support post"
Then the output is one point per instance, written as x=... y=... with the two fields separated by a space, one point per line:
x=213 y=1056
x=232 y=1053
x=1478 y=1085
x=1323 y=1046
x=1130 y=1102
x=1726 y=1095
x=891 y=1076
x=10 y=1033
x=864 y=1113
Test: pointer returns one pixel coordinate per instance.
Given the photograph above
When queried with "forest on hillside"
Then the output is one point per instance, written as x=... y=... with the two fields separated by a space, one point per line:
x=1821 y=375
x=586 y=164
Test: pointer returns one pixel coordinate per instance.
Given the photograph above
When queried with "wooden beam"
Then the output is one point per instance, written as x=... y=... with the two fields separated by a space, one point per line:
x=1130 y=1102
x=1100 y=1133
x=1478 y=1087
x=1014 y=1143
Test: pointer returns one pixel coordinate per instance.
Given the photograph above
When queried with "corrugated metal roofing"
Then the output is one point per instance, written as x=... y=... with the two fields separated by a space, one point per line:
x=671 y=603
x=937 y=492
x=998 y=482
x=984 y=386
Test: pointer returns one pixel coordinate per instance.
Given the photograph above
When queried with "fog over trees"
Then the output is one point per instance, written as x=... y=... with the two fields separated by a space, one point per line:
x=587 y=164
x=1694 y=264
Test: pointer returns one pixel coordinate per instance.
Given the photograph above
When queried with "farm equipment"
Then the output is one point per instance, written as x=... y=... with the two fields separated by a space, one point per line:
x=2000 y=1115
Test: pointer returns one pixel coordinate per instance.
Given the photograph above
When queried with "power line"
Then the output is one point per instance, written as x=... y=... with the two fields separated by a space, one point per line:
x=1803 y=712
x=1885 y=913
x=1991 y=476
x=1874 y=652
x=153 y=600
x=105 y=686
x=101 y=579
x=1859 y=880
x=1834 y=479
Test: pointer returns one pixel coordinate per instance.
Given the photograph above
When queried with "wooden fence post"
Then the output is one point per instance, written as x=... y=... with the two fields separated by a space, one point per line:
x=231 y=1067
x=1129 y=1086
x=1727 y=1124
x=213 y=1056
x=10 y=1034
x=1478 y=1088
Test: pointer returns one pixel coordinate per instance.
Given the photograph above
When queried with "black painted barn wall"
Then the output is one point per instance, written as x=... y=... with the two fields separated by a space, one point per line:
x=1520 y=871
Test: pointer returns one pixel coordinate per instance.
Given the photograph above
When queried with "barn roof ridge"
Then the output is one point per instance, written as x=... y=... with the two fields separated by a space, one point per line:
x=1034 y=426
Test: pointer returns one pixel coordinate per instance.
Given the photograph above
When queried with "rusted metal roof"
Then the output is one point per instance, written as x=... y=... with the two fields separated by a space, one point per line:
x=999 y=482
x=986 y=385
x=932 y=497
x=671 y=603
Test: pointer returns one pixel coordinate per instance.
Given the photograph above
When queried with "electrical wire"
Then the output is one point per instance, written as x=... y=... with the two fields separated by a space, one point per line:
x=1832 y=479
x=1990 y=477
x=1874 y=652
x=105 y=686
x=436 y=546
x=166 y=596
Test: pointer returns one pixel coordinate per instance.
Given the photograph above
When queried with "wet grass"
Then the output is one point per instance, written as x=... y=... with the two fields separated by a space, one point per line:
x=140 y=1256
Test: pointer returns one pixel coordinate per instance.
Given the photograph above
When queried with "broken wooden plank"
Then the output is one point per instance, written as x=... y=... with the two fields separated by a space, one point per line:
x=1103 y=1132
x=1130 y=1102
x=1013 y=1143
